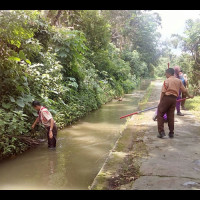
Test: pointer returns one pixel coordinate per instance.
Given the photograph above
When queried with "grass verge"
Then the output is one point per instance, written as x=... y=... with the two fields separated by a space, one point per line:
x=145 y=99
x=194 y=106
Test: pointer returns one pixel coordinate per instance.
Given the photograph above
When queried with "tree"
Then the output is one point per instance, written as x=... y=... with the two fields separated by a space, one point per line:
x=96 y=30
x=191 y=45
x=143 y=36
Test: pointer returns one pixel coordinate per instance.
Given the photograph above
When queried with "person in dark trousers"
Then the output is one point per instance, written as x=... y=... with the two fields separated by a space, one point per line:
x=169 y=94
x=45 y=117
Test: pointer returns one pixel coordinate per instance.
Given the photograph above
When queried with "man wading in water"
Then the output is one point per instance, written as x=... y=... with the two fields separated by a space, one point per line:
x=170 y=91
x=46 y=119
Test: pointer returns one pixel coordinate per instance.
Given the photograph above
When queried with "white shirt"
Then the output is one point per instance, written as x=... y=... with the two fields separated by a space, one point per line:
x=45 y=116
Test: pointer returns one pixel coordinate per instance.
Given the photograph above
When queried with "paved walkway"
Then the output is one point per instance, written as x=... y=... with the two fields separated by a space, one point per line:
x=171 y=163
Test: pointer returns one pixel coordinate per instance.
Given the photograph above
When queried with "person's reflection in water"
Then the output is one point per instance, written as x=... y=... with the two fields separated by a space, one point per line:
x=52 y=162
x=51 y=167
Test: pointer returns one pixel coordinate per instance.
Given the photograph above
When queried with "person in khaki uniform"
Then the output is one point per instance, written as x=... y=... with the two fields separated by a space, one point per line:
x=45 y=117
x=169 y=94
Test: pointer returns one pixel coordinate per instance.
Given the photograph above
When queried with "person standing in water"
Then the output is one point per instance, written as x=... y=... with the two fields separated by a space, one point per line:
x=45 y=117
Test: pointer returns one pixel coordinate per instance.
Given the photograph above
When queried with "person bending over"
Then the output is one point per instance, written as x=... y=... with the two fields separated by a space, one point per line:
x=45 y=117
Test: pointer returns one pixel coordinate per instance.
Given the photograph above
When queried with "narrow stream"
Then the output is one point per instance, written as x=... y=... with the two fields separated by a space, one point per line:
x=81 y=151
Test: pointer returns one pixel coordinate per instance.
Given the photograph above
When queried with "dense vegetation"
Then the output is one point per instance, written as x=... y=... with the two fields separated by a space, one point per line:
x=72 y=62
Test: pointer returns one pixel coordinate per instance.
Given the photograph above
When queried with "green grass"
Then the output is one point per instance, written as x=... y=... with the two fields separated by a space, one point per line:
x=194 y=106
x=146 y=96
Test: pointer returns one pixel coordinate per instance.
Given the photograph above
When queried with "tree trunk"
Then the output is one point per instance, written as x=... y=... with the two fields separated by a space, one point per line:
x=56 y=20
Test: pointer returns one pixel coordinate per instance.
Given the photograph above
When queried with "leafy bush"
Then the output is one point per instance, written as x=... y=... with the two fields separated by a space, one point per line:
x=71 y=72
x=13 y=122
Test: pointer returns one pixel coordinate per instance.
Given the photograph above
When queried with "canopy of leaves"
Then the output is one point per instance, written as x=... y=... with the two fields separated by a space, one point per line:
x=70 y=62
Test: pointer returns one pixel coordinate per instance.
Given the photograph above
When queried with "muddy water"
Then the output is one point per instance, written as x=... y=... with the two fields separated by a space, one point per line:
x=81 y=150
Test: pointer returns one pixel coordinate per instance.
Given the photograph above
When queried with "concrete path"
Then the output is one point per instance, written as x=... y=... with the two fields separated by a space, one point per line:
x=171 y=164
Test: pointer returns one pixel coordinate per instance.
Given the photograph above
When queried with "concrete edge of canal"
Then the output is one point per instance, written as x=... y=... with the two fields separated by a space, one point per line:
x=121 y=167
